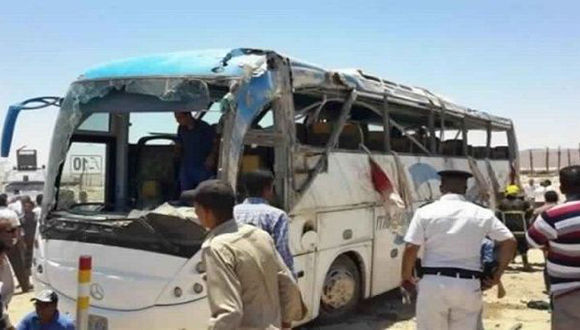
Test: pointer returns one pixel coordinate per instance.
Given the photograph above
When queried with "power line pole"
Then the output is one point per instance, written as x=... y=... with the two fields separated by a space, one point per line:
x=547 y=159
x=559 y=157
x=531 y=163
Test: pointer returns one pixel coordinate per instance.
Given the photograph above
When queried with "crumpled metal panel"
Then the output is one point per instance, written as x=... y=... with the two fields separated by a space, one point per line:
x=250 y=98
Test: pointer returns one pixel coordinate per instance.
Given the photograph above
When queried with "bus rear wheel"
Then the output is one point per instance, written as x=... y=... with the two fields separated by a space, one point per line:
x=341 y=290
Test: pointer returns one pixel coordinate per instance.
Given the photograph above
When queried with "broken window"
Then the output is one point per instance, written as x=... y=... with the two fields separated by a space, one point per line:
x=499 y=144
x=451 y=137
x=477 y=139
x=409 y=131
x=97 y=122
x=153 y=159
x=84 y=181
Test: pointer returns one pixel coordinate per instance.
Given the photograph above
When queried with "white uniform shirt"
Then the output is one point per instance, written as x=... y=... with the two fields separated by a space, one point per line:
x=451 y=231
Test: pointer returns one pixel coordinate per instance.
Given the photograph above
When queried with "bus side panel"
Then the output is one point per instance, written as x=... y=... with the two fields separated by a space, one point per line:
x=344 y=227
x=387 y=255
x=306 y=265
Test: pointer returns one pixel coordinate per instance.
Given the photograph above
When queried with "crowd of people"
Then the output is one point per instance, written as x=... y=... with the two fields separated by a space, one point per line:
x=18 y=221
x=251 y=280
x=450 y=289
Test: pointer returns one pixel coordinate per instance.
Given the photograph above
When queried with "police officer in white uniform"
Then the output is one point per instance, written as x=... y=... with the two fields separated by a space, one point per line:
x=451 y=231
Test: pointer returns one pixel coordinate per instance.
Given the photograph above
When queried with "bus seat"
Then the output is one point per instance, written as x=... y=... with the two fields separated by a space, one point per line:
x=319 y=133
x=479 y=152
x=453 y=147
x=301 y=133
x=400 y=144
x=250 y=163
x=375 y=141
x=350 y=137
x=150 y=194
x=500 y=153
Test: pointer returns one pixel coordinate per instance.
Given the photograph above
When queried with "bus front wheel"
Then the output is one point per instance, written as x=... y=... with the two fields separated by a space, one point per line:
x=341 y=290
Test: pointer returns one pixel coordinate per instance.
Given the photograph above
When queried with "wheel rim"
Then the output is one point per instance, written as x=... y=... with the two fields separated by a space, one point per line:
x=339 y=288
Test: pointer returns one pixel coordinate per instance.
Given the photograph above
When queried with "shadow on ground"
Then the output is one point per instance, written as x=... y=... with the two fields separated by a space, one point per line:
x=377 y=313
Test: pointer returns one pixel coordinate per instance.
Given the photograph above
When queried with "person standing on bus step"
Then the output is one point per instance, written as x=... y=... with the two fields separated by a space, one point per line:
x=248 y=284
x=197 y=150
x=451 y=231
x=8 y=238
x=256 y=211
x=558 y=231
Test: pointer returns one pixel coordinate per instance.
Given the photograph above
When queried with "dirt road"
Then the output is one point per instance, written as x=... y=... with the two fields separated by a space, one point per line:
x=387 y=312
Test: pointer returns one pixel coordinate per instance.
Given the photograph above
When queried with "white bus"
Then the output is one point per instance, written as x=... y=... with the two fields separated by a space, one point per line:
x=111 y=177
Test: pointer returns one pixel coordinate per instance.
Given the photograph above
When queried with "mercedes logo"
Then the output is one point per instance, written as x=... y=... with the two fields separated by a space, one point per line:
x=97 y=291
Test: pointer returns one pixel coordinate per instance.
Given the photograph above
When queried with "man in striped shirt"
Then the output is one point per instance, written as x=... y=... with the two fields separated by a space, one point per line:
x=558 y=231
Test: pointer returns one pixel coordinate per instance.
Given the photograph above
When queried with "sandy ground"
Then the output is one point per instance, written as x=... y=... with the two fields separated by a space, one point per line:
x=387 y=312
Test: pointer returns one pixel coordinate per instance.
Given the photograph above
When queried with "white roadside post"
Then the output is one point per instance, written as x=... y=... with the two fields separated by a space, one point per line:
x=84 y=284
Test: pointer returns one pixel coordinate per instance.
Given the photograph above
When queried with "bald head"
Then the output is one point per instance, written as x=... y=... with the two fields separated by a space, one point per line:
x=570 y=180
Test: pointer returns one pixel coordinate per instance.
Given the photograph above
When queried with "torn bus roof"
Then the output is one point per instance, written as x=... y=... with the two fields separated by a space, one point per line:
x=241 y=62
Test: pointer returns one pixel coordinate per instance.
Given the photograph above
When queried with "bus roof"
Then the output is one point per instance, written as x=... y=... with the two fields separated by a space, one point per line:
x=234 y=63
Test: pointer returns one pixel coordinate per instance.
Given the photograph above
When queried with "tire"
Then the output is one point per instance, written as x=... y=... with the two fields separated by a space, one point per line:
x=341 y=290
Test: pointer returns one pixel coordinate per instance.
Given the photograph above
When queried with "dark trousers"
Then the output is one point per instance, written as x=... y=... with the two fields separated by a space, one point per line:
x=18 y=261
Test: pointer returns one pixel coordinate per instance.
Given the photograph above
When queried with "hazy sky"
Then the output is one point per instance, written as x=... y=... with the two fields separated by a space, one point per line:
x=518 y=59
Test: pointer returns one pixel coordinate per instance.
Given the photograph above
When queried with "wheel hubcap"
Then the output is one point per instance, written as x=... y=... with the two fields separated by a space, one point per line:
x=339 y=289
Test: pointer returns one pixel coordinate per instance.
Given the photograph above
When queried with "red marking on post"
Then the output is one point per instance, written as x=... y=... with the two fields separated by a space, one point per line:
x=85 y=263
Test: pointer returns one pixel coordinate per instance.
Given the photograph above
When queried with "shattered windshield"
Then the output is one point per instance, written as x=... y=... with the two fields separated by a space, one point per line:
x=91 y=139
x=112 y=174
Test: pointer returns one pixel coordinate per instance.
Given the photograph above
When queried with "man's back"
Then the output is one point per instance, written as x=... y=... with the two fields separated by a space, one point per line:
x=514 y=204
x=452 y=230
x=249 y=285
x=257 y=212
x=560 y=226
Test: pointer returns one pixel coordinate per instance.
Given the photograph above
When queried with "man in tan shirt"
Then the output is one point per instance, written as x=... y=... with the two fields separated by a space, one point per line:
x=249 y=286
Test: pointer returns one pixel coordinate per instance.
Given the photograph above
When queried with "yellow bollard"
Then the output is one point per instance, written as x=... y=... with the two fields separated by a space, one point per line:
x=84 y=279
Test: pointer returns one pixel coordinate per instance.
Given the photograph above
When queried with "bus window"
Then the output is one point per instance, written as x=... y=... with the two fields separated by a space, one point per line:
x=257 y=153
x=356 y=131
x=265 y=121
x=153 y=163
x=451 y=138
x=84 y=177
x=409 y=130
x=477 y=139
x=375 y=137
x=499 y=145
x=97 y=122
x=319 y=131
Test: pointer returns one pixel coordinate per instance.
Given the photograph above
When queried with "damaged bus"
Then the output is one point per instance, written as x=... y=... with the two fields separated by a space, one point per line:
x=112 y=182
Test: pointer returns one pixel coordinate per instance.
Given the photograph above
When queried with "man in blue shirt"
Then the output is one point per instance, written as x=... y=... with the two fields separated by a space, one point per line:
x=46 y=316
x=197 y=149
x=256 y=211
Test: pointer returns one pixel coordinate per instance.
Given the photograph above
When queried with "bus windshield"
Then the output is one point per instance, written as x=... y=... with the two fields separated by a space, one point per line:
x=116 y=157
x=115 y=147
